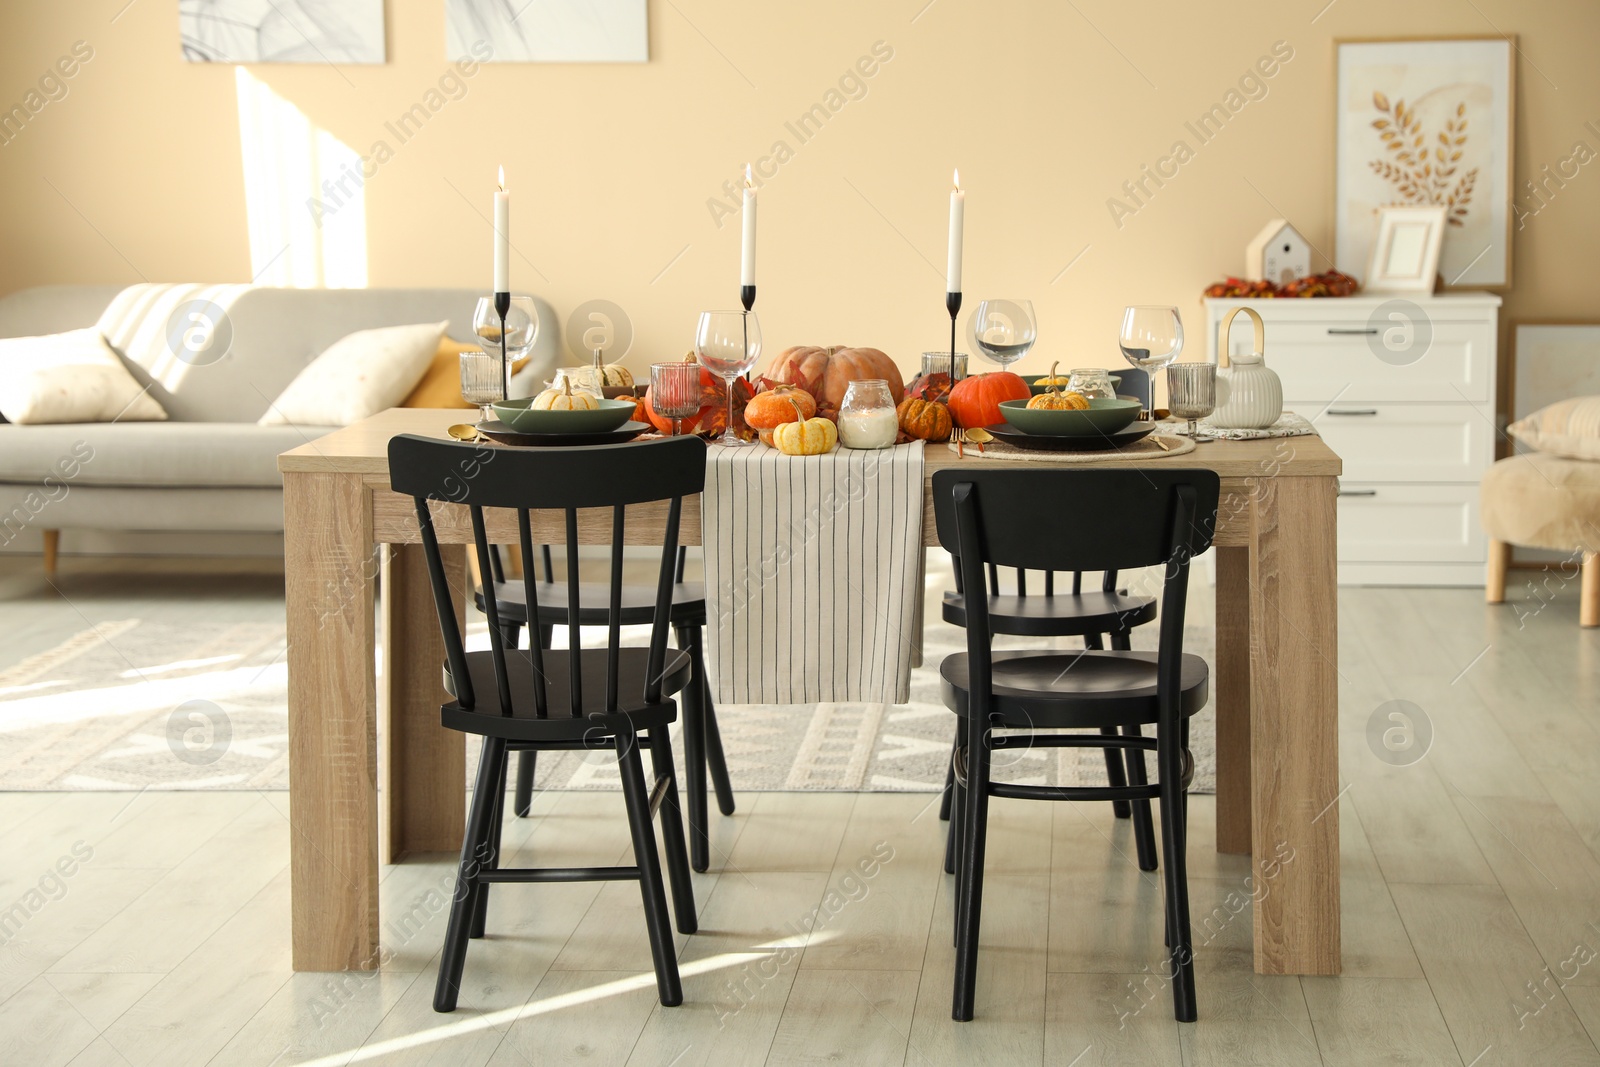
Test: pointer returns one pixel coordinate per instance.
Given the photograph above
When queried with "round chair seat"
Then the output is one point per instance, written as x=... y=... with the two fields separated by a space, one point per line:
x=1058 y=614
x=1074 y=690
x=1543 y=501
x=633 y=714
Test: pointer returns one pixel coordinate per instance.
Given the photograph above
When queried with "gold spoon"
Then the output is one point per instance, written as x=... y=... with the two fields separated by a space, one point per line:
x=462 y=431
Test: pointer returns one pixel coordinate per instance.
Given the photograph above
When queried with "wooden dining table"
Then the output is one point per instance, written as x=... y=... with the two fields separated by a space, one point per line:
x=354 y=807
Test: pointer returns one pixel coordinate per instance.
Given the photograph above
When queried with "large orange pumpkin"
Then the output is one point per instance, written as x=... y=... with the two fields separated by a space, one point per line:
x=712 y=418
x=975 y=401
x=826 y=373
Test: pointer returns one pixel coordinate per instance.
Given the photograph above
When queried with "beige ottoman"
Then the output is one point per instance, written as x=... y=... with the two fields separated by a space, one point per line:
x=1544 y=501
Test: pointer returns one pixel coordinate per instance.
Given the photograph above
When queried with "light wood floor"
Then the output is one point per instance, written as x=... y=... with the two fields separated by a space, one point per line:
x=1471 y=897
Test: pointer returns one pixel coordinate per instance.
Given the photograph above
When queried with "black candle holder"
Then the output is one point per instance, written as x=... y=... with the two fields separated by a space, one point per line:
x=502 y=305
x=747 y=297
x=952 y=302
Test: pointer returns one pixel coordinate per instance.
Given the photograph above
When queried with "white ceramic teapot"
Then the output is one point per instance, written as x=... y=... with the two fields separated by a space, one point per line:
x=1249 y=394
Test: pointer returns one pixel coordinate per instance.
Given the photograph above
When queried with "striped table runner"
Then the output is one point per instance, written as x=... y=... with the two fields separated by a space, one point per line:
x=813 y=574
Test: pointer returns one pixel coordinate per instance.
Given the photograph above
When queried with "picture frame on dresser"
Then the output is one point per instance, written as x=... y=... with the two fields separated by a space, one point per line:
x=1405 y=390
x=1427 y=121
x=1405 y=253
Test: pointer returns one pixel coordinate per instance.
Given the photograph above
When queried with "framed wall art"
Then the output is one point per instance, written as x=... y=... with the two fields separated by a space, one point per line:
x=281 y=31
x=1423 y=123
x=548 y=31
x=1551 y=361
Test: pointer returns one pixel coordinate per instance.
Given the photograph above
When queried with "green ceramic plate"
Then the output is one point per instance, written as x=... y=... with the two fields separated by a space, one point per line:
x=519 y=416
x=1100 y=417
x=1036 y=388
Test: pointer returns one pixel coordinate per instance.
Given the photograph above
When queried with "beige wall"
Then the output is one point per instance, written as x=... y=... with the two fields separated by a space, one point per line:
x=137 y=171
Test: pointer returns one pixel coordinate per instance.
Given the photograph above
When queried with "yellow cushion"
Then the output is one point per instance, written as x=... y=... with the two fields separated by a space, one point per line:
x=440 y=386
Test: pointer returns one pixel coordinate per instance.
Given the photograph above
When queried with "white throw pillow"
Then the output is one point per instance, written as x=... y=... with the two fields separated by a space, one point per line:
x=1568 y=428
x=359 y=375
x=70 y=377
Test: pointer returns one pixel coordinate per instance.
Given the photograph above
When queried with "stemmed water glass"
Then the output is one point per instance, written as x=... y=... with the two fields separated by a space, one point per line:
x=521 y=330
x=1192 y=392
x=1151 y=337
x=728 y=343
x=481 y=381
x=1003 y=330
x=675 y=391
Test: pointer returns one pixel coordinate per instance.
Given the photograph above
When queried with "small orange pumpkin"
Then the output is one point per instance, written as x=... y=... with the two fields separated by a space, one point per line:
x=927 y=420
x=771 y=408
x=1053 y=399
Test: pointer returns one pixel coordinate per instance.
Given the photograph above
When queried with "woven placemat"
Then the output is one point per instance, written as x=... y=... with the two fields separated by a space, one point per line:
x=1145 y=449
x=1288 y=425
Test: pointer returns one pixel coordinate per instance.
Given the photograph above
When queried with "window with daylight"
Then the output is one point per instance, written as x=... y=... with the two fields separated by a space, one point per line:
x=303 y=195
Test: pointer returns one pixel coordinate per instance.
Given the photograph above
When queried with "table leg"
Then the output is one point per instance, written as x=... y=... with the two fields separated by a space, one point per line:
x=329 y=570
x=1231 y=699
x=425 y=785
x=1294 y=741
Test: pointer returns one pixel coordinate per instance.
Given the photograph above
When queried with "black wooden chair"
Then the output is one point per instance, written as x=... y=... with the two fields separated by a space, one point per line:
x=1042 y=519
x=613 y=698
x=1096 y=617
x=702 y=740
x=1111 y=614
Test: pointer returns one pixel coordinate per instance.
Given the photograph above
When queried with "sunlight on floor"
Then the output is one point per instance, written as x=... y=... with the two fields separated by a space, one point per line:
x=504 y=1018
x=140 y=696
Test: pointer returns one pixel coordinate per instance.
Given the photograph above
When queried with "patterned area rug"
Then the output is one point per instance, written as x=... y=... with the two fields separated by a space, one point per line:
x=902 y=747
x=111 y=708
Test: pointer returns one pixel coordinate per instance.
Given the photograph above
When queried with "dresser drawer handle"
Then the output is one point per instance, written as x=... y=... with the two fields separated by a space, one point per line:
x=1358 y=492
x=1352 y=411
x=1338 y=331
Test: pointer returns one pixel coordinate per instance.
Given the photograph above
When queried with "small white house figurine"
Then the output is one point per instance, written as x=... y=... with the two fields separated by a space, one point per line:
x=1278 y=254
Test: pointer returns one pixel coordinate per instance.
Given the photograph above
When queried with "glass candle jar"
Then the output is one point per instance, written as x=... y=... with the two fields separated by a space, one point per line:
x=867 y=418
x=1092 y=383
x=939 y=363
x=580 y=377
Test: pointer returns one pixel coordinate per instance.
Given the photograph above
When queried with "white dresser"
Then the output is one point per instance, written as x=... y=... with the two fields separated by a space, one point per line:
x=1403 y=388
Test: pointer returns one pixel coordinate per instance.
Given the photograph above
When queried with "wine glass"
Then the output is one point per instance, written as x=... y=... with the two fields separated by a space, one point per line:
x=481 y=381
x=1003 y=330
x=728 y=343
x=1192 y=392
x=675 y=391
x=521 y=330
x=1151 y=337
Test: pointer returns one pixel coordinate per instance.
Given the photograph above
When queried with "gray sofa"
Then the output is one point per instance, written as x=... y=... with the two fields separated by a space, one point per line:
x=210 y=468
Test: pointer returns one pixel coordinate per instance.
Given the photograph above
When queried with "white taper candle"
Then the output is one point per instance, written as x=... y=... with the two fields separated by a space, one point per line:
x=958 y=211
x=747 y=256
x=502 y=237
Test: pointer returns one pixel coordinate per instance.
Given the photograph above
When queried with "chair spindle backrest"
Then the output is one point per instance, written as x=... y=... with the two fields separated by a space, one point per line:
x=556 y=479
x=1029 y=519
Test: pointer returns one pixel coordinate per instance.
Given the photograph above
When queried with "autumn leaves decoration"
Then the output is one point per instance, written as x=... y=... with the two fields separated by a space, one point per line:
x=1424 y=171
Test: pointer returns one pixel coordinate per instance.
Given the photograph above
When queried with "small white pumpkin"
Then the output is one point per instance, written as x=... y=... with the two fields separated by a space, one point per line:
x=612 y=375
x=564 y=399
